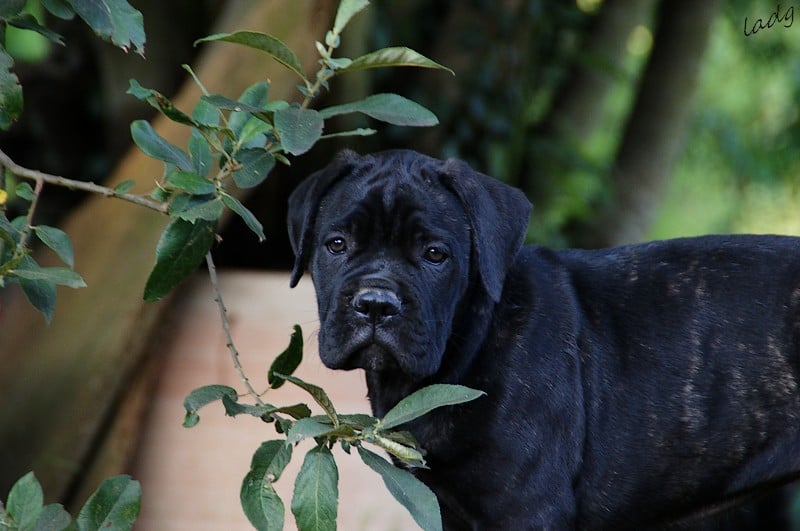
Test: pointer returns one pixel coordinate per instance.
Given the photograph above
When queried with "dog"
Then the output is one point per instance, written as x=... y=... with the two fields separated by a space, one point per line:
x=626 y=388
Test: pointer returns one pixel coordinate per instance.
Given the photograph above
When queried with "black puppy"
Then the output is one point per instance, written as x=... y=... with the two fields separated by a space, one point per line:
x=625 y=387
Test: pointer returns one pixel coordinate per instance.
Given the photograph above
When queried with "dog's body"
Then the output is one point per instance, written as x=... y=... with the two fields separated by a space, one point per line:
x=625 y=387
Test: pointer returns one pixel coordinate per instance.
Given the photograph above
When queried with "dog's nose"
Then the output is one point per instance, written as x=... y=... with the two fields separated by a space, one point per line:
x=376 y=303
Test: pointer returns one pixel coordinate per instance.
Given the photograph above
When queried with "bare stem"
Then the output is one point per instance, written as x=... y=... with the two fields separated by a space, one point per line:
x=56 y=180
x=223 y=314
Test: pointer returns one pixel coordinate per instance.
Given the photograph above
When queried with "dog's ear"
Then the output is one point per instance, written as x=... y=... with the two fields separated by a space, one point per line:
x=304 y=205
x=498 y=216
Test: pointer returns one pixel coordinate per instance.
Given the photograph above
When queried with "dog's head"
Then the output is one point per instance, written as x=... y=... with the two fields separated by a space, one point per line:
x=394 y=242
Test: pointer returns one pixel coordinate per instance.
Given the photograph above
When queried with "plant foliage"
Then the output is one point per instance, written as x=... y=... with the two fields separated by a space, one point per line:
x=114 y=505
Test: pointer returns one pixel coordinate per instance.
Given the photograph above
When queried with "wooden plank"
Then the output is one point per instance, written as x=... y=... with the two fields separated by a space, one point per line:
x=61 y=385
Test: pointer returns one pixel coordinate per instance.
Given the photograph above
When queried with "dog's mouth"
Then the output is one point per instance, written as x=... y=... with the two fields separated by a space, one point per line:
x=366 y=350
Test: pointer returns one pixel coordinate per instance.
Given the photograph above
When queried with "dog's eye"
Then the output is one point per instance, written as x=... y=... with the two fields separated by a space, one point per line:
x=336 y=245
x=435 y=255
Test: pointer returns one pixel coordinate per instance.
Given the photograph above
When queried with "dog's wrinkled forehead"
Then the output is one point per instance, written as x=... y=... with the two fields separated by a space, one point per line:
x=389 y=194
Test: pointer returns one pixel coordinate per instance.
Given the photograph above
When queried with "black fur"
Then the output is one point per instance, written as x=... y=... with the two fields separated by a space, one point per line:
x=626 y=388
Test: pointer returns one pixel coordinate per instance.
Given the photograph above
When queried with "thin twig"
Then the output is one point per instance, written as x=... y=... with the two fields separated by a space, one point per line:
x=56 y=180
x=223 y=314
x=26 y=233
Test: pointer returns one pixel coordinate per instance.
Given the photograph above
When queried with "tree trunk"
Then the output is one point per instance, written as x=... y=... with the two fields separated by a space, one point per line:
x=656 y=128
x=64 y=386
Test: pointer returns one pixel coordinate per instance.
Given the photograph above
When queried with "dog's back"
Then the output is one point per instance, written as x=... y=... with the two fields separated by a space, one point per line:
x=691 y=360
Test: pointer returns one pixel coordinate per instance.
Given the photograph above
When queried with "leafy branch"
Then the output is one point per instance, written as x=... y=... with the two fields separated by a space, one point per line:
x=234 y=145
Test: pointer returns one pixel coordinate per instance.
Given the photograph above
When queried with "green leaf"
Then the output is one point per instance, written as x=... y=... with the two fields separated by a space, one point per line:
x=199 y=149
x=40 y=293
x=201 y=397
x=249 y=218
x=298 y=128
x=154 y=145
x=347 y=9
x=27 y=21
x=58 y=8
x=181 y=248
x=288 y=360
x=316 y=492
x=409 y=455
x=58 y=241
x=11 y=8
x=421 y=402
x=53 y=518
x=317 y=393
x=306 y=428
x=113 y=20
x=358 y=421
x=10 y=92
x=52 y=275
x=210 y=210
x=252 y=101
x=114 y=505
x=159 y=102
x=260 y=502
x=125 y=186
x=257 y=163
x=265 y=43
x=191 y=182
x=409 y=491
x=389 y=57
x=24 y=191
x=389 y=108
x=25 y=501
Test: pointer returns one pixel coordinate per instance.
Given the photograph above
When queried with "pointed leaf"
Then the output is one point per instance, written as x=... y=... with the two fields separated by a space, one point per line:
x=179 y=251
x=28 y=22
x=24 y=191
x=10 y=92
x=409 y=491
x=316 y=492
x=347 y=9
x=191 y=182
x=25 y=501
x=58 y=241
x=125 y=186
x=210 y=210
x=260 y=502
x=113 y=20
x=253 y=100
x=390 y=57
x=389 y=108
x=58 y=8
x=154 y=145
x=249 y=218
x=53 y=275
x=159 y=102
x=288 y=360
x=40 y=293
x=307 y=428
x=114 y=505
x=298 y=128
x=257 y=163
x=202 y=396
x=265 y=43
x=205 y=114
x=426 y=399
x=53 y=517
x=317 y=393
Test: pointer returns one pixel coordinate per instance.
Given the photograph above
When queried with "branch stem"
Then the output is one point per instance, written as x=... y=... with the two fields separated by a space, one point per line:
x=71 y=184
x=223 y=314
